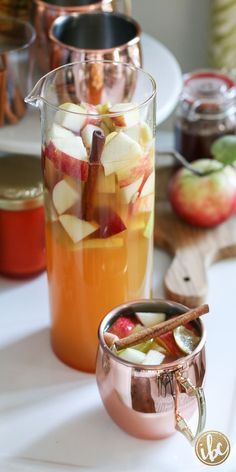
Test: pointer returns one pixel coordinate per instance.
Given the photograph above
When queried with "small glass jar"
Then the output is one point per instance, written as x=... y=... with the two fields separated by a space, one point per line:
x=205 y=112
x=22 y=243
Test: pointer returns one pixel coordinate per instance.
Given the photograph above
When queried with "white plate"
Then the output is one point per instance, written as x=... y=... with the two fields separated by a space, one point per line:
x=24 y=137
x=52 y=418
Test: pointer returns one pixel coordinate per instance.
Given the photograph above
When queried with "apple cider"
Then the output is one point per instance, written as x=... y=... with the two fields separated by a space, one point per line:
x=99 y=196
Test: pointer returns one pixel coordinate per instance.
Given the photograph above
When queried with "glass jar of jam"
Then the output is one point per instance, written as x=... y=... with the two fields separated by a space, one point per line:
x=22 y=244
x=205 y=112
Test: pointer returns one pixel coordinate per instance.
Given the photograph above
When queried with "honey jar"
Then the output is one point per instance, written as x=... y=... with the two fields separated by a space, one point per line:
x=22 y=243
x=206 y=111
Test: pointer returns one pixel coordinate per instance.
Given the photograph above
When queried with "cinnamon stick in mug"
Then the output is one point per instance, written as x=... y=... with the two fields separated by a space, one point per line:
x=161 y=328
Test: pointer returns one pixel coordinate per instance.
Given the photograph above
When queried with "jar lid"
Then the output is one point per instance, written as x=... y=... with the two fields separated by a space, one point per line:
x=208 y=92
x=21 y=185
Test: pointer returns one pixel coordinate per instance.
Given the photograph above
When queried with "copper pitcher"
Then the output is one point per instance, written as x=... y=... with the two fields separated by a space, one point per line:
x=149 y=402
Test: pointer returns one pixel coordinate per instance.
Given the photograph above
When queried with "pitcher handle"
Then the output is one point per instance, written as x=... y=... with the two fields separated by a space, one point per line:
x=192 y=391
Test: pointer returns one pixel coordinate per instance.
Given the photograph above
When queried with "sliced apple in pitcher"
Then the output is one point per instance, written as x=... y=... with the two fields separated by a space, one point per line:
x=133 y=132
x=87 y=134
x=143 y=205
x=148 y=185
x=57 y=131
x=127 y=193
x=69 y=156
x=119 y=152
x=71 y=116
x=127 y=114
x=106 y=184
x=64 y=195
x=76 y=228
x=130 y=173
x=148 y=231
x=92 y=113
x=109 y=222
x=51 y=174
x=141 y=133
x=146 y=137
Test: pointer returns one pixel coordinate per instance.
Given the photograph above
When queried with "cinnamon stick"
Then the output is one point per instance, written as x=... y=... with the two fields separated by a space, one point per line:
x=161 y=328
x=90 y=186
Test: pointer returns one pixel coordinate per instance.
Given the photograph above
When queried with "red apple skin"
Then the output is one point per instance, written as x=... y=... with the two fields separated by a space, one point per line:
x=109 y=222
x=143 y=167
x=51 y=175
x=204 y=201
x=122 y=327
x=167 y=340
x=76 y=168
x=142 y=204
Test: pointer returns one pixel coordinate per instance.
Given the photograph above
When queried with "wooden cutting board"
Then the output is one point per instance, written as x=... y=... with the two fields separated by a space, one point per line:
x=193 y=249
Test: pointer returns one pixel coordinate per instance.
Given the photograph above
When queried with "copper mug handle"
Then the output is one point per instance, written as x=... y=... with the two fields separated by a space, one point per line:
x=192 y=391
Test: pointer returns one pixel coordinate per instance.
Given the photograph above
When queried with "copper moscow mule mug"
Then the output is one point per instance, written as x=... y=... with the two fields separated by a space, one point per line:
x=46 y=11
x=148 y=401
x=95 y=36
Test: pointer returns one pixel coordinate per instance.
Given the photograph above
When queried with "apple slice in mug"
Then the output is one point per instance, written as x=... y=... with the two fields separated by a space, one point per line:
x=123 y=326
x=69 y=156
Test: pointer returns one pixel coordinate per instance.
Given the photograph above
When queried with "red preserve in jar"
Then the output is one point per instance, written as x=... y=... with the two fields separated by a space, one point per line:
x=205 y=112
x=22 y=244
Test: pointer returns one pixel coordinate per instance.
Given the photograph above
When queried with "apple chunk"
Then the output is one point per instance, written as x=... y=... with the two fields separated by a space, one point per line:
x=109 y=221
x=150 y=319
x=123 y=326
x=87 y=134
x=128 y=192
x=132 y=355
x=69 y=157
x=71 y=116
x=106 y=184
x=57 y=131
x=64 y=195
x=76 y=228
x=148 y=185
x=119 y=152
x=128 y=114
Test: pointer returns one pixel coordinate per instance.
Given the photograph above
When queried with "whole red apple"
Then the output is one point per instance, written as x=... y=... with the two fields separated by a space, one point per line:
x=204 y=201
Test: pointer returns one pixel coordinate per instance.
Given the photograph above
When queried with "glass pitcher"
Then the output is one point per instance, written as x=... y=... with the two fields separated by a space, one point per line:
x=98 y=129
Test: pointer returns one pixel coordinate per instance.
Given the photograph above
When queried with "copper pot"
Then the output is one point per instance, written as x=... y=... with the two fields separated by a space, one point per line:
x=95 y=36
x=45 y=12
x=148 y=401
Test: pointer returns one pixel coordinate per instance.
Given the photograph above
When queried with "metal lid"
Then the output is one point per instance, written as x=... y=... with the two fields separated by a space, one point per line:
x=21 y=185
x=208 y=92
